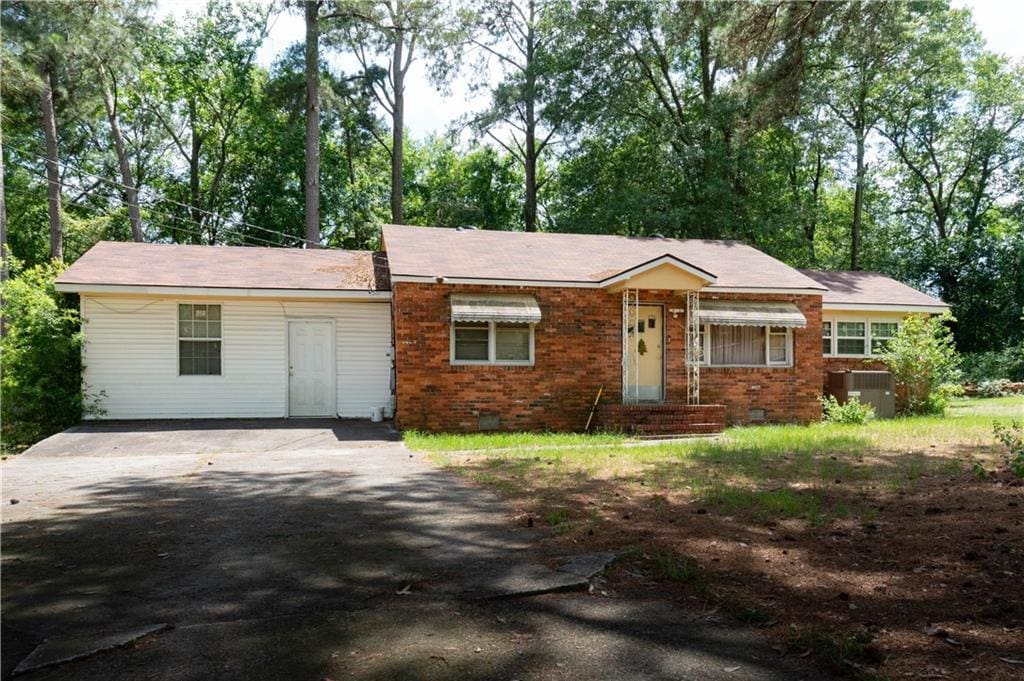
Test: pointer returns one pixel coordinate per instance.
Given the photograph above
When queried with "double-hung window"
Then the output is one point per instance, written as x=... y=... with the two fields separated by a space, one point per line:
x=881 y=334
x=492 y=343
x=851 y=338
x=826 y=337
x=199 y=340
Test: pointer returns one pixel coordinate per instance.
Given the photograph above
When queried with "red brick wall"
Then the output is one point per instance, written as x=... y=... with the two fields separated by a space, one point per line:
x=787 y=394
x=848 y=364
x=577 y=349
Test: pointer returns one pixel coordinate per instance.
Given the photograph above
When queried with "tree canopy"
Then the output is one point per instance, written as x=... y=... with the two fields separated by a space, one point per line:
x=853 y=135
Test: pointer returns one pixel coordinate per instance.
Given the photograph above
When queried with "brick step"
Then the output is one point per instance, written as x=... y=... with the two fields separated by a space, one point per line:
x=668 y=418
x=673 y=436
x=668 y=408
x=669 y=428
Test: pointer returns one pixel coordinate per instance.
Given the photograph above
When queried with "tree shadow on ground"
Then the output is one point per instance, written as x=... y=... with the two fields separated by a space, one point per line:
x=912 y=542
x=322 y=574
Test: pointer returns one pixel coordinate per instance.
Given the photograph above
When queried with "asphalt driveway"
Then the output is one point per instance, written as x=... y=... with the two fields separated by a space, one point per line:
x=306 y=550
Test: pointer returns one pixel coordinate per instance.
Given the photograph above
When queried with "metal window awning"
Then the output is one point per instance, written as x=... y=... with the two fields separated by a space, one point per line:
x=506 y=309
x=750 y=313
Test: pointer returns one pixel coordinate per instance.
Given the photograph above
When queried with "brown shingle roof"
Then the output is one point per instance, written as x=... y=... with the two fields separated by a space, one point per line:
x=868 y=288
x=135 y=264
x=574 y=258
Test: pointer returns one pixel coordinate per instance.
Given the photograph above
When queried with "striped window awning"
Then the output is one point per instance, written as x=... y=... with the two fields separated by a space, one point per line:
x=749 y=313
x=489 y=308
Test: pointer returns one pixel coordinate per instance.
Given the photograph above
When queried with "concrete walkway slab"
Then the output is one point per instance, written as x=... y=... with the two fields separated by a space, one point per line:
x=80 y=645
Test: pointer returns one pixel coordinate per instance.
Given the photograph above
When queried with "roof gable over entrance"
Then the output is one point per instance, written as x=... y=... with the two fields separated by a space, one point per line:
x=667 y=273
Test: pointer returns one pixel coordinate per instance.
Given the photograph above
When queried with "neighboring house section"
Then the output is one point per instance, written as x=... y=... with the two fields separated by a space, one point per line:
x=202 y=331
x=860 y=312
x=464 y=330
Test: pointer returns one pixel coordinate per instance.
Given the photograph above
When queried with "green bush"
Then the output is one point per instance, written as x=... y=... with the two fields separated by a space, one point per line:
x=1012 y=437
x=923 y=359
x=40 y=359
x=995 y=387
x=1007 y=364
x=854 y=411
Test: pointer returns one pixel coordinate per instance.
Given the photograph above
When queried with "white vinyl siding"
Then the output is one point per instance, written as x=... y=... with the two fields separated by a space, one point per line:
x=131 y=355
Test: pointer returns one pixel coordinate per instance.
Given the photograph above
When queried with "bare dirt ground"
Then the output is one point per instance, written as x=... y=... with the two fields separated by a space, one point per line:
x=915 y=579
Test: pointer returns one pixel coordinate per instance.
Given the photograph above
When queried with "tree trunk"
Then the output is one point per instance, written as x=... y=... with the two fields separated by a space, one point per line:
x=128 y=189
x=312 y=183
x=193 y=170
x=530 y=157
x=858 y=202
x=3 y=224
x=49 y=118
x=397 y=125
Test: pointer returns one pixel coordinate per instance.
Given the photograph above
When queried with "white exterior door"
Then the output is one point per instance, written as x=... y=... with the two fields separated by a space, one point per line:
x=646 y=354
x=311 y=369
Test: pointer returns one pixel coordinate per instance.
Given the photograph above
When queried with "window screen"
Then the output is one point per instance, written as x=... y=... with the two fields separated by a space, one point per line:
x=850 y=338
x=471 y=342
x=737 y=345
x=512 y=343
x=778 y=345
x=881 y=334
x=199 y=340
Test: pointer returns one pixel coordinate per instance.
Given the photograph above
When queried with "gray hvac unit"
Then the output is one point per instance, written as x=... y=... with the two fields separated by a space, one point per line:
x=877 y=388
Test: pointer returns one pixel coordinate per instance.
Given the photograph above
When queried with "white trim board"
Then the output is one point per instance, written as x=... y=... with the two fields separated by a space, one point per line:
x=882 y=307
x=667 y=259
x=547 y=283
x=211 y=291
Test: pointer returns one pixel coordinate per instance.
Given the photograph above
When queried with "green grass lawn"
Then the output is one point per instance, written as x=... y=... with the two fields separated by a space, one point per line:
x=773 y=523
x=764 y=472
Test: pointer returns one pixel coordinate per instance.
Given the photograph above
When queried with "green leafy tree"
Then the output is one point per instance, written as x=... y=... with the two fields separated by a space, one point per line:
x=201 y=82
x=923 y=358
x=40 y=360
x=447 y=188
x=386 y=38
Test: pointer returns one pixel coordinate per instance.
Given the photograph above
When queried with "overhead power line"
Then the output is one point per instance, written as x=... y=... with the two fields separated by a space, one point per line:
x=164 y=199
x=170 y=228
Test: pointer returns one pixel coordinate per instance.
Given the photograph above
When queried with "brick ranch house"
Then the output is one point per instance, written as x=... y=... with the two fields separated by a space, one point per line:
x=464 y=330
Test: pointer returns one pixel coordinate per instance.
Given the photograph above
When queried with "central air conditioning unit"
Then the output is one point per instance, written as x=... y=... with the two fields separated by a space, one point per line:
x=877 y=388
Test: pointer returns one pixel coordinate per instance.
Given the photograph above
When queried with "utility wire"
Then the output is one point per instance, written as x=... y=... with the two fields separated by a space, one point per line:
x=102 y=211
x=152 y=211
x=164 y=198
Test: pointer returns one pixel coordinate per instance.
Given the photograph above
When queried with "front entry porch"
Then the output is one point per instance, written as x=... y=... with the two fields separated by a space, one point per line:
x=664 y=420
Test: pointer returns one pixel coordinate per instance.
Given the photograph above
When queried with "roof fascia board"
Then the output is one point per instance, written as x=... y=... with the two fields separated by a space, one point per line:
x=756 y=290
x=544 y=283
x=666 y=259
x=883 y=307
x=224 y=292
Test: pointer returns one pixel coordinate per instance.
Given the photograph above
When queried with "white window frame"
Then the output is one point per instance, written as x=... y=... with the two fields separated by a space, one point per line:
x=769 y=364
x=831 y=326
x=178 y=338
x=868 y=336
x=492 y=347
x=871 y=335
